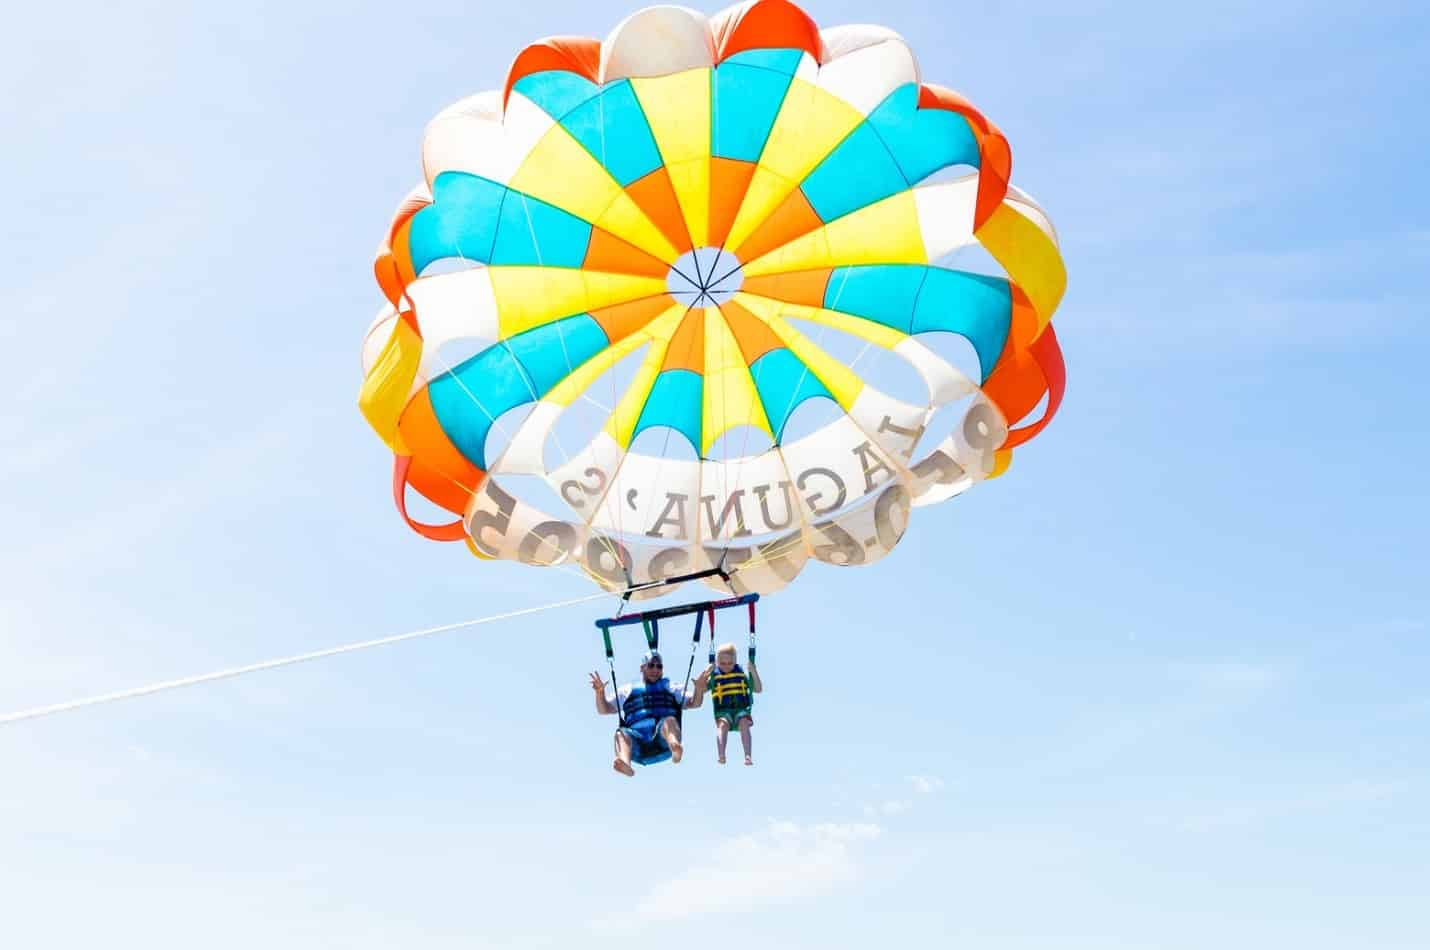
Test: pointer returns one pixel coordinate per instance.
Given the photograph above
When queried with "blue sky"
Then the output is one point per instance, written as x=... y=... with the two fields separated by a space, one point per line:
x=1164 y=684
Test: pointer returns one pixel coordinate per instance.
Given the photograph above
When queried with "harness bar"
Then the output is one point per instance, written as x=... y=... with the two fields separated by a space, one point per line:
x=678 y=610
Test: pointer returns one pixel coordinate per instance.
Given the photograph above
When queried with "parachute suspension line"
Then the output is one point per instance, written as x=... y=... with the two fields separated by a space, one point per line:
x=700 y=277
x=587 y=398
x=560 y=331
x=715 y=150
x=606 y=542
x=860 y=355
x=631 y=586
x=724 y=420
x=819 y=343
x=462 y=256
x=744 y=456
x=495 y=421
x=234 y=672
x=764 y=556
x=759 y=557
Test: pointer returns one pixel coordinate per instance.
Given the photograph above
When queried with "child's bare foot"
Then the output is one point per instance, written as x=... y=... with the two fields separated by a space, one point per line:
x=720 y=759
x=676 y=751
x=624 y=767
x=749 y=761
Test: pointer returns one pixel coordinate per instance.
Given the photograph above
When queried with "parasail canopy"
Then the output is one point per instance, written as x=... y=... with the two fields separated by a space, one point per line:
x=696 y=202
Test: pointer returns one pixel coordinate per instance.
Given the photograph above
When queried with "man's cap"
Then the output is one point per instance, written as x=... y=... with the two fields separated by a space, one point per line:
x=649 y=655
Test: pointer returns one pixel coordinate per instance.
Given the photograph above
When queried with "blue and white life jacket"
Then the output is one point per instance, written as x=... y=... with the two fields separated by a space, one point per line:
x=650 y=703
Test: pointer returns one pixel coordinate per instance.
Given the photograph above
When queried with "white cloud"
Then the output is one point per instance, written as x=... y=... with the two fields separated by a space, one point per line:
x=894 y=806
x=920 y=784
x=785 y=861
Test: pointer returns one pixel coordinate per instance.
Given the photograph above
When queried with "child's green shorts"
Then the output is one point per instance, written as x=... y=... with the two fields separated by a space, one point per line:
x=733 y=716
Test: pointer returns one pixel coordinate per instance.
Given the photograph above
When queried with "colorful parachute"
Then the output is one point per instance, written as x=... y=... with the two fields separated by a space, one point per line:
x=680 y=200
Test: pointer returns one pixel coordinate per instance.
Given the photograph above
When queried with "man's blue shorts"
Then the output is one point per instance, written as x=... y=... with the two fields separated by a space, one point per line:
x=647 y=744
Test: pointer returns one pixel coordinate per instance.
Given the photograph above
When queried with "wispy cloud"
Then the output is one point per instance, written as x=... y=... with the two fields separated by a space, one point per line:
x=915 y=784
x=926 y=784
x=785 y=861
x=782 y=862
x=896 y=806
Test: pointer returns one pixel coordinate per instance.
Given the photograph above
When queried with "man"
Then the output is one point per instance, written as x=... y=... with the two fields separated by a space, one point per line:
x=650 y=712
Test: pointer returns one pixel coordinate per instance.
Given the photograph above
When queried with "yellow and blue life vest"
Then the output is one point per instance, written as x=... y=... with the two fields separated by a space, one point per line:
x=730 y=692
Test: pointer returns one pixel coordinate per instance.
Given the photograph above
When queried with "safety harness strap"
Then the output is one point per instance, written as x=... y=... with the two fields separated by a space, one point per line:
x=694 y=645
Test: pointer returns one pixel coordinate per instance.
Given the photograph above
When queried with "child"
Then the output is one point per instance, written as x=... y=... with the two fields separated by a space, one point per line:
x=732 y=690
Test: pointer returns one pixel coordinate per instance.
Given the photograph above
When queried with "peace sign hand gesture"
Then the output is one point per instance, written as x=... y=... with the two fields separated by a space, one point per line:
x=598 y=684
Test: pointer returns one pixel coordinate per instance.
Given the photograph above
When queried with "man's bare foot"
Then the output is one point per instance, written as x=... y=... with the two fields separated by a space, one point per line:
x=624 y=767
x=676 y=751
x=749 y=761
x=720 y=759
